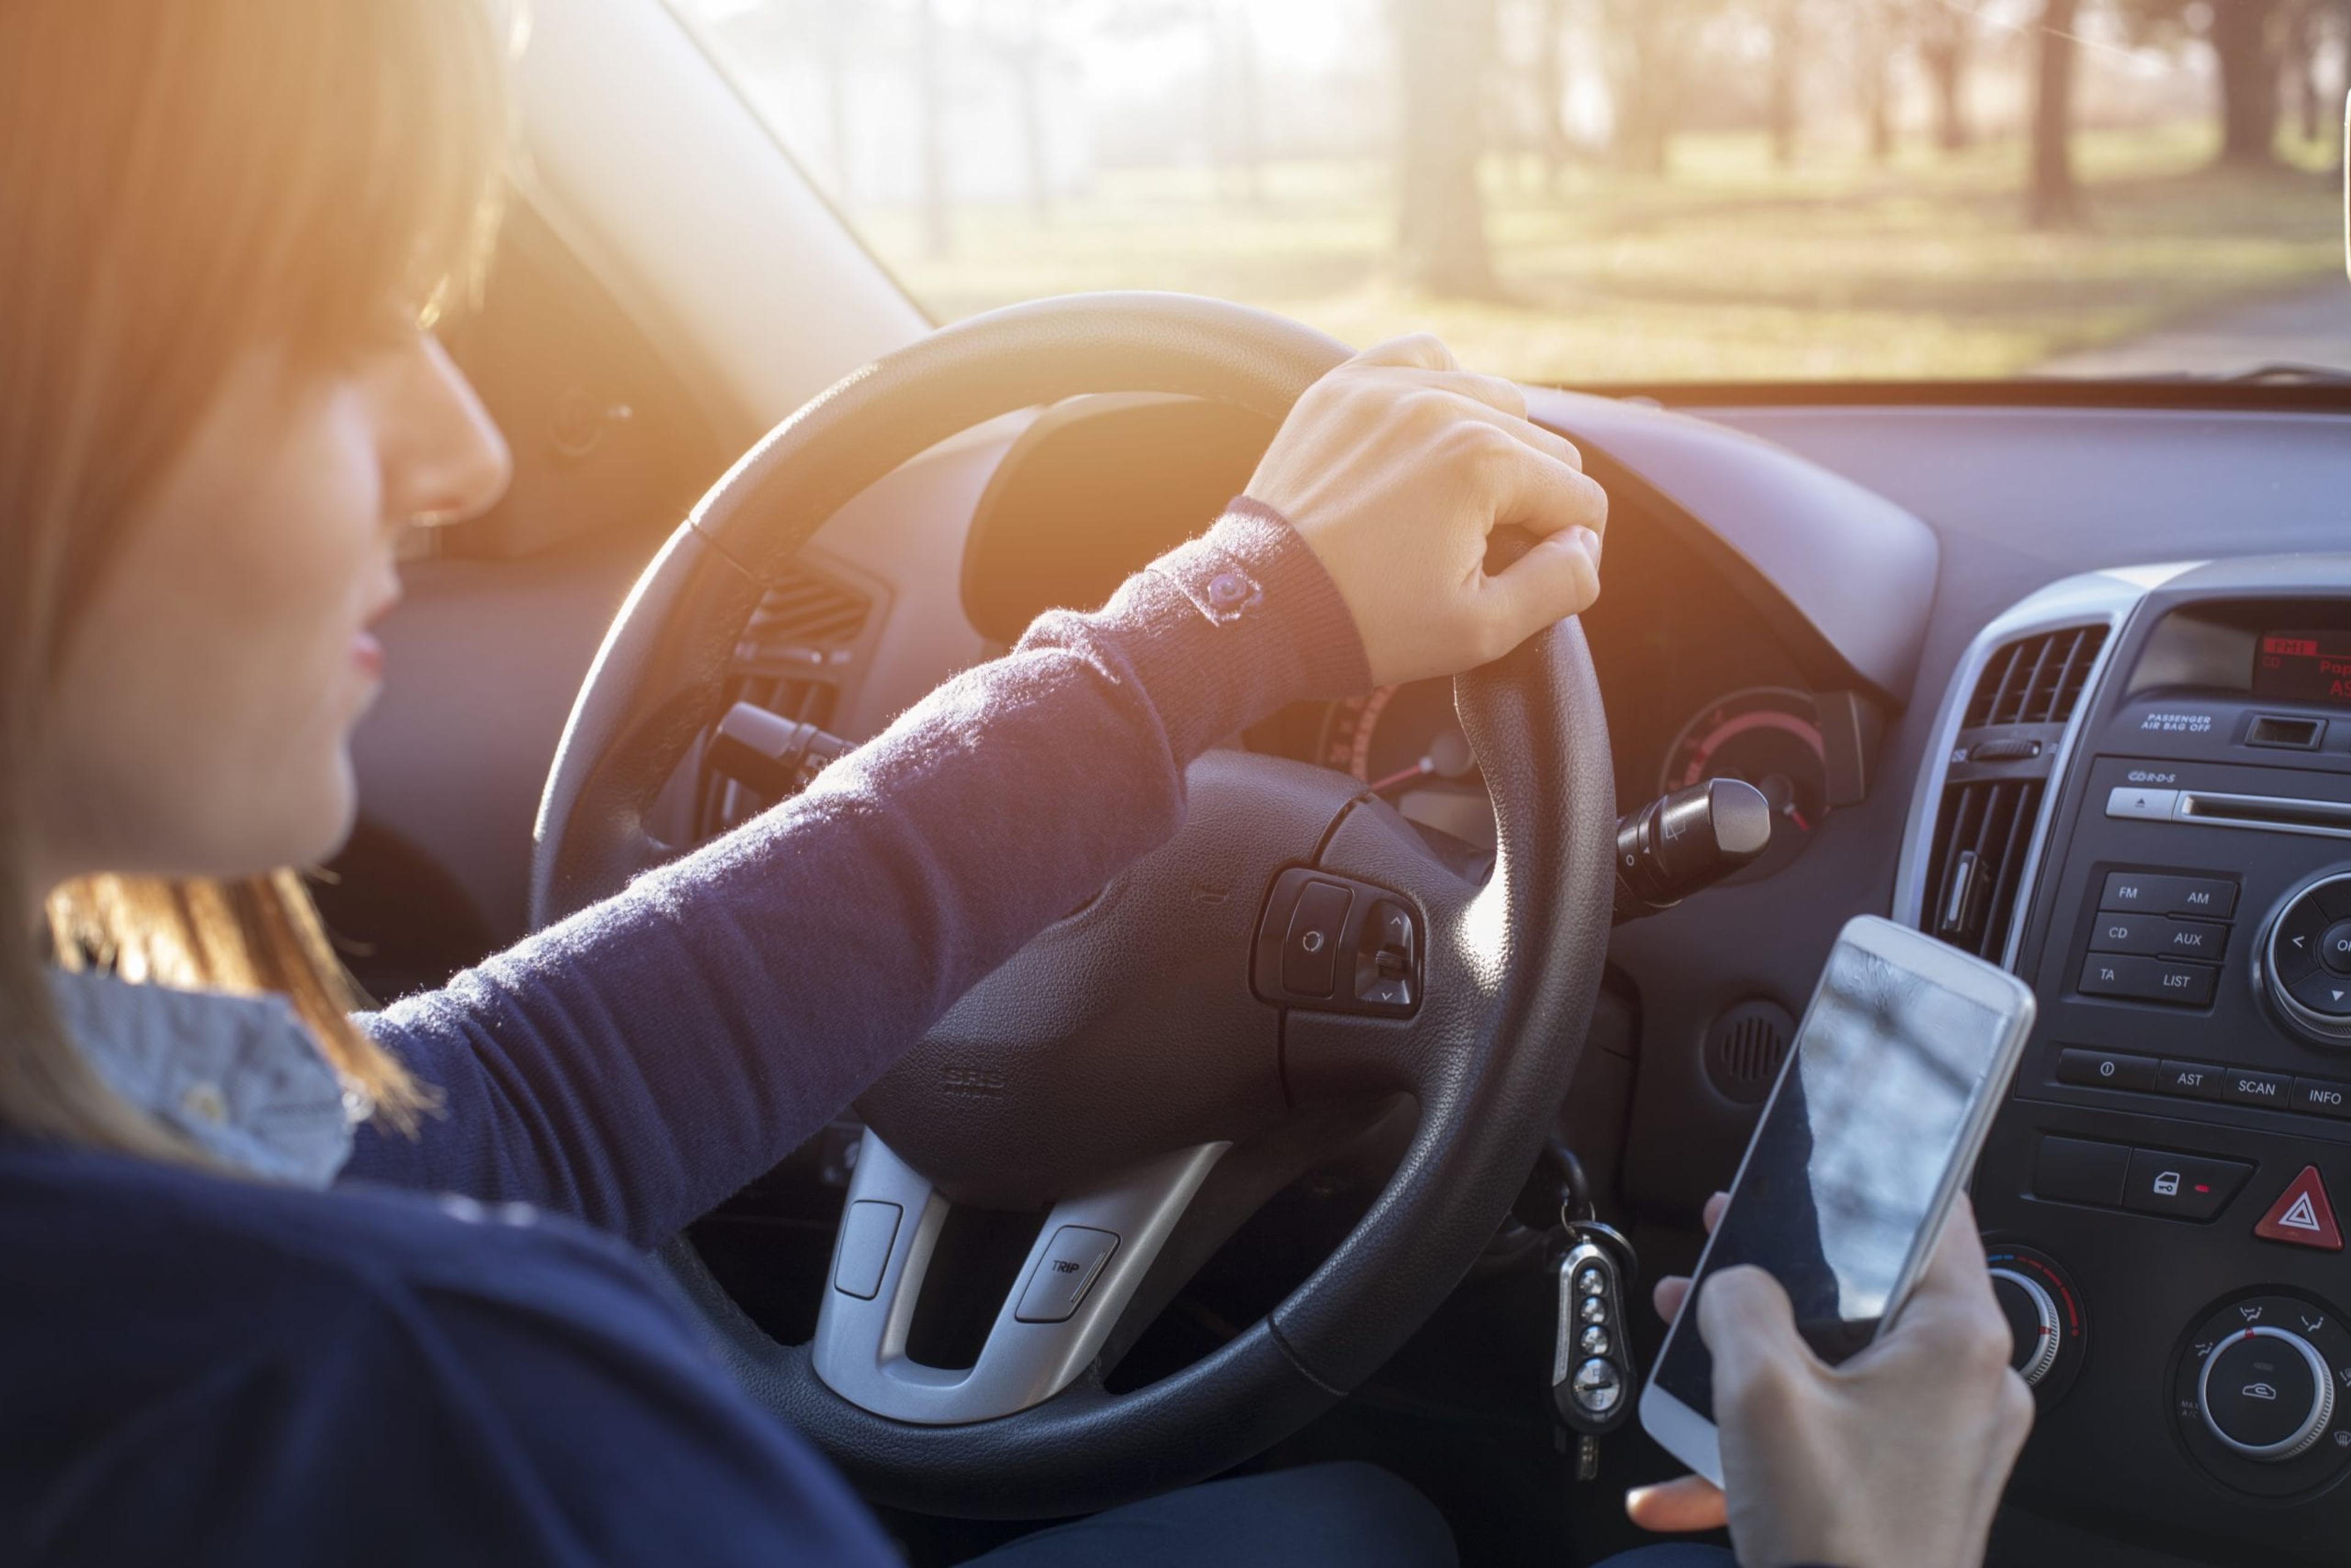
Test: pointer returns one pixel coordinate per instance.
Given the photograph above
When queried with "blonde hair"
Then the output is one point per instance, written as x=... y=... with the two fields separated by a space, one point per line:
x=178 y=184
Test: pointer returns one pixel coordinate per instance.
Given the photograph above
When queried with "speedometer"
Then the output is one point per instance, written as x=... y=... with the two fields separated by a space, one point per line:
x=1769 y=737
x=1407 y=745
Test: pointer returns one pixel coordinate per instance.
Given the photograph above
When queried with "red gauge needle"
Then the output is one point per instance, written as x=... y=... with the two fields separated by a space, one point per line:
x=1798 y=818
x=1418 y=771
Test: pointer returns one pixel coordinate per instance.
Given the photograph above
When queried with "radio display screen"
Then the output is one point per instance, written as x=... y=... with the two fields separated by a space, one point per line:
x=2304 y=667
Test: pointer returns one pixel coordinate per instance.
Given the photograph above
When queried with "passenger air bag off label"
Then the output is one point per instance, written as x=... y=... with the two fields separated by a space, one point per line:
x=2301 y=1217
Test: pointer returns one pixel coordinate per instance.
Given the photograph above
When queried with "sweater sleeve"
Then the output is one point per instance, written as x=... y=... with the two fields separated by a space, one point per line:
x=640 y=1060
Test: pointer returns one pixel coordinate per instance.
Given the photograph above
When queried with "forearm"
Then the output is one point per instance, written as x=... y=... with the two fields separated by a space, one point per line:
x=638 y=1063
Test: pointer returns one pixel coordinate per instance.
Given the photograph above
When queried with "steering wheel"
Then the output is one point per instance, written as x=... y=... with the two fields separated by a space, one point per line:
x=1125 y=1071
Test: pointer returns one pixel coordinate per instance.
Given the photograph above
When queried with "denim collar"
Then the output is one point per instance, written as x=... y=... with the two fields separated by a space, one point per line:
x=238 y=1076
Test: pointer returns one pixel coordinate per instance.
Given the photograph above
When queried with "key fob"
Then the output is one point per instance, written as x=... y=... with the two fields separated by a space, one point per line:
x=1592 y=1372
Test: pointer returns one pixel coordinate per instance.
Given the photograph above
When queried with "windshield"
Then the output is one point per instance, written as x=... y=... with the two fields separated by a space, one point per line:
x=1606 y=191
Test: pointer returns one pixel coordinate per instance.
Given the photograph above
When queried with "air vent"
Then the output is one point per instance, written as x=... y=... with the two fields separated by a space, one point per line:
x=2024 y=696
x=1982 y=838
x=793 y=658
x=803 y=612
x=1745 y=1048
x=2035 y=679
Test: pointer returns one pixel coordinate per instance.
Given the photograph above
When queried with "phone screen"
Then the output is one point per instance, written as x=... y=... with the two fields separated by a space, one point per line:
x=1846 y=1166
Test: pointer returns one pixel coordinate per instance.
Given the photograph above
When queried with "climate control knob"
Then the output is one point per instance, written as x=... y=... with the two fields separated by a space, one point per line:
x=2266 y=1393
x=2033 y=1318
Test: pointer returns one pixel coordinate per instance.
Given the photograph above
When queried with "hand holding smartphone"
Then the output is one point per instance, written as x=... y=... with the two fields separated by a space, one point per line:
x=1865 y=1145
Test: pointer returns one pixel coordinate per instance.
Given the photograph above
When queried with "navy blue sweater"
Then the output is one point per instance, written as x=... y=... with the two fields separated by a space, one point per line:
x=198 y=1369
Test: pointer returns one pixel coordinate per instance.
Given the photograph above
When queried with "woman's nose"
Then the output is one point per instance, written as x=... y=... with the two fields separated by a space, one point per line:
x=449 y=463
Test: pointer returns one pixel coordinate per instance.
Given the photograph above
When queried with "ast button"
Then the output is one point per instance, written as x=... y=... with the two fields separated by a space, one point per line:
x=2104 y=1068
x=1064 y=1274
x=2182 y=1186
x=2191 y=1080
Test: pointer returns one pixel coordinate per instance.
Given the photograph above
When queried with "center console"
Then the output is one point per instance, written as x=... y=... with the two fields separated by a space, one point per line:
x=2141 y=802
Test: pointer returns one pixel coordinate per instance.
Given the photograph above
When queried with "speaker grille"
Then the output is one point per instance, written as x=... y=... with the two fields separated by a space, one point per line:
x=1746 y=1048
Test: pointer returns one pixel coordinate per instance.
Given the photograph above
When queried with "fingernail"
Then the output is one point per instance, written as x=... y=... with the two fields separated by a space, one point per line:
x=1591 y=542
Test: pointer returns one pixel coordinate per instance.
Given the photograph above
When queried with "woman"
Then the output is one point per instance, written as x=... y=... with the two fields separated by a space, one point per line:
x=239 y=1332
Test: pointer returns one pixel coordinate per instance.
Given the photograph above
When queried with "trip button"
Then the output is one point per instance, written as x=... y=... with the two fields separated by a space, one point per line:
x=2182 y=1186
x=2319 y=1097
x=1064 y=1274
x=2208 y=898
x=2248 y=1087
x=2162 y=981
x=2105 y=1068
x=2189 y=1080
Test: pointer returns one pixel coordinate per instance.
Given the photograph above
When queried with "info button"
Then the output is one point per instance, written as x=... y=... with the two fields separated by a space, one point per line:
x=2321 y=1097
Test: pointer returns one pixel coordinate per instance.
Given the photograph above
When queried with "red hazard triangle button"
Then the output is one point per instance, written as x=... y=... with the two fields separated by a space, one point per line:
x=2302 y=1215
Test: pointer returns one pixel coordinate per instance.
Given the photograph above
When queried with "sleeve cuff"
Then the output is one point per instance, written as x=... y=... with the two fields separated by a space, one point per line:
x=1233 y=625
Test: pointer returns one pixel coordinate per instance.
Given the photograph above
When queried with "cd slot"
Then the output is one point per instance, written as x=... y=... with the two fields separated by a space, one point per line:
x=2221 y=808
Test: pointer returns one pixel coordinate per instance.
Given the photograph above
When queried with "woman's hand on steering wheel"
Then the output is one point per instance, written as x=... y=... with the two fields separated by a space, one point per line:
x=1395 y=468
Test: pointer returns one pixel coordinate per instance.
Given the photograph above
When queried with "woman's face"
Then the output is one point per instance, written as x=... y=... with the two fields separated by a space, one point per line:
x=206 y=697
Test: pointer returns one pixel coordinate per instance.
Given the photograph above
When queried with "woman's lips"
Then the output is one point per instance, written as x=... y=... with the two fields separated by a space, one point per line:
x=368 y=655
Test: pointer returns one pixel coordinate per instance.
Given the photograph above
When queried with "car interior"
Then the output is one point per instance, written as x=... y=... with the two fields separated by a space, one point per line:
x=2054 y=671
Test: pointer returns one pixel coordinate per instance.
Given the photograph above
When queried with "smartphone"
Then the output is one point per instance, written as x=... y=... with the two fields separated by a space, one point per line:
x=1870 y=1133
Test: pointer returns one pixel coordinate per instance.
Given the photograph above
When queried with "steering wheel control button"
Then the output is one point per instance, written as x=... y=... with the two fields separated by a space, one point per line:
x=2301 y=1217
x=1388 y=960
x=1332 y=944
x=868 y=1231
x=2266 y=1393
x=2164 y=980
x=1309 y=953
x=2076 y=1170
x=2155 y=892
x=2105 y=1068
x=1064 y=1274
x=2182 y=1186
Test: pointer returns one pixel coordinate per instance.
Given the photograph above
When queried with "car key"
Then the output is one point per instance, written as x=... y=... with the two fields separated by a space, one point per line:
x=1592 y=1372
